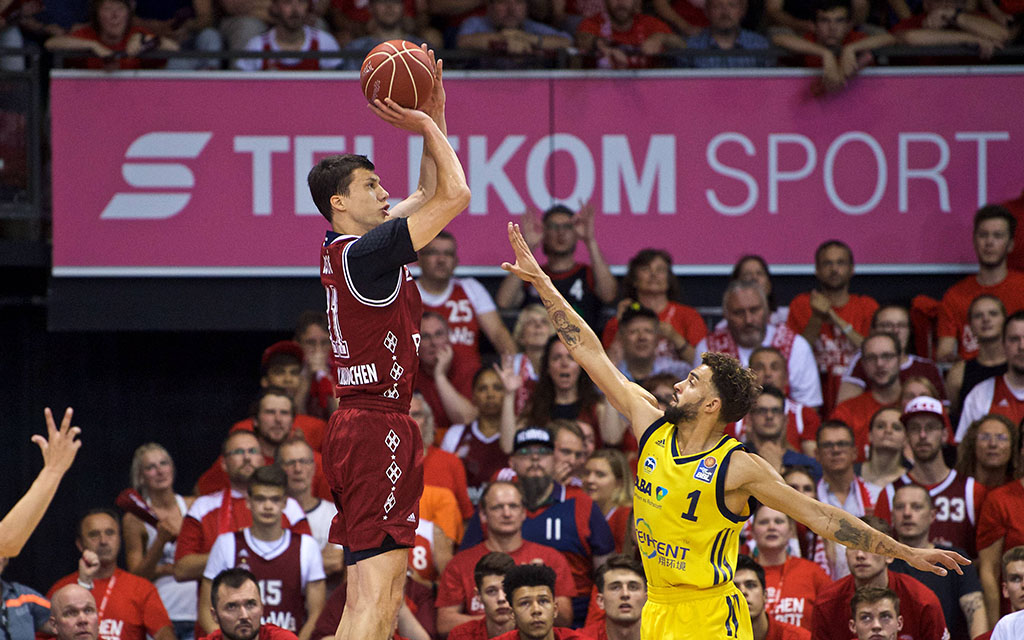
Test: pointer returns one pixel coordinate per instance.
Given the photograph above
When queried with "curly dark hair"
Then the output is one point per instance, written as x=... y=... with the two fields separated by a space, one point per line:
x=642 y=259
x=737 y=385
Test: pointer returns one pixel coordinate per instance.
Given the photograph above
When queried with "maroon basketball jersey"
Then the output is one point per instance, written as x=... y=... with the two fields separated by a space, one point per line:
x=481 y=456
x=956 y=501
x=459 y=309
x=375 y=342
x=280 y=581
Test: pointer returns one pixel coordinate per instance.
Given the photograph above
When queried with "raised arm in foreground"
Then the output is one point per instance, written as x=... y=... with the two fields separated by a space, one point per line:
x=59 y=448
x=583 y=344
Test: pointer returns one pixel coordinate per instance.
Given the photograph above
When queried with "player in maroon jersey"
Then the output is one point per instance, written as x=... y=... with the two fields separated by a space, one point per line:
x=372 y=450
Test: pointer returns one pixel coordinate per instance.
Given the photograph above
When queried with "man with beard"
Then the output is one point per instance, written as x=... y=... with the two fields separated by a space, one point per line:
x=73 y=614
x=621 y=594
x=963 y=607
x=749 y=579
x=747 y=328
x=588 y=286
x=831 y=318
x=922 y=612
x=226 y=510
x=237 y=609
x=130 y=606
x=288 y=566
x=994 y=228
x=957 y=499
x=624 y=37
x=503 y=513
x=562 y=517
x=880 y=353
x=694 y=486
x=272 y=424
x=291 y=34
x=1002 y=395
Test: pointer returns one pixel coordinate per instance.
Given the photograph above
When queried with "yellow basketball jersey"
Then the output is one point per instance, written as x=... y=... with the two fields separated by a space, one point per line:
x=687 y=536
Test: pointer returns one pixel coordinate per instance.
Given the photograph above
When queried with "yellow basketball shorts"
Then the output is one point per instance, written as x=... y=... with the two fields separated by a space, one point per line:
x=718 y=617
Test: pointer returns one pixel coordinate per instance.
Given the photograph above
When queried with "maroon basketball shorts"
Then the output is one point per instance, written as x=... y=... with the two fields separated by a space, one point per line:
x=373 y=462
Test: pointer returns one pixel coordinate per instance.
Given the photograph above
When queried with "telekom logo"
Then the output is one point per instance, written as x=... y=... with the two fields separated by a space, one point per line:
x=157 y=145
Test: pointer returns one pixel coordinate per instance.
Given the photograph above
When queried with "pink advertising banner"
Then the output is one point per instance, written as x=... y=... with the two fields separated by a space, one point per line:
x=205 y=174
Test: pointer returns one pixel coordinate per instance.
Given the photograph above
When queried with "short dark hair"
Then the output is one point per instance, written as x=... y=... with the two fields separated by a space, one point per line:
x=995 y=212
x=773 y=391
x=494 y=563
x=269 y=475
x=555 y=210
x=828 y=5
x=108 y=511
x=886 y=307
x=1016 y=316
x=637 y=310
x=528 y=575
x=332 y=176
x=234 y=577
x=618 y=561
x=271 y=391
x=746 y=562
x=828 y=244
x=834 y=424
x=871 y=595
x=914 y=485
x=737 y=385
x=308 y=319
x=878 y=524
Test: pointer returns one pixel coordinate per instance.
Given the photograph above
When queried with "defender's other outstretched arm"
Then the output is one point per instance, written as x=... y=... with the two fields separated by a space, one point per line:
x=583 y=344
x=753 y=476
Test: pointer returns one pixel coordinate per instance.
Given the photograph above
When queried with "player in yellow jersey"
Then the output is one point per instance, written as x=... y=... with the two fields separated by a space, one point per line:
x=694 y=485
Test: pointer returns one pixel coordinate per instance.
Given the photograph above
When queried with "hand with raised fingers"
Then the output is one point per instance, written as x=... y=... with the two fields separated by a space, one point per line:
x=526 y=266
x=506 y=372
x=60 y=446
x=584 y=222
x=434 y=107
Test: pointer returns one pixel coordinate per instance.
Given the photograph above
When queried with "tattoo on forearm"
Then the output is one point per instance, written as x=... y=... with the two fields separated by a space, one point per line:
x=569 y=332
x=850 y=535
x=971 y=605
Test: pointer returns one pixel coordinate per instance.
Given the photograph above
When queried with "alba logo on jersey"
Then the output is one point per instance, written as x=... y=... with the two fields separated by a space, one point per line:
x=158 y=205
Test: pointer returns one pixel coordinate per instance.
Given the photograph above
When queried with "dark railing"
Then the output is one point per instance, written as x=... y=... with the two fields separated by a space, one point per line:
x=573 y=59
x=20 y=142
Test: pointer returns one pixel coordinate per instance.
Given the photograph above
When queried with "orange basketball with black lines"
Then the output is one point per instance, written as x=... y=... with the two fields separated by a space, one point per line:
x=400 y=70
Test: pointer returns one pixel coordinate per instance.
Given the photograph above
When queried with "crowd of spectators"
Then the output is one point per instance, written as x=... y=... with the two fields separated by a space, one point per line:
x=837 y=36
x=525 y=463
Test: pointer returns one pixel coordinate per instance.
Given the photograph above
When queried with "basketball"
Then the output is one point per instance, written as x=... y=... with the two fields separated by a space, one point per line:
x=400 y=70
